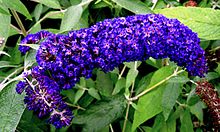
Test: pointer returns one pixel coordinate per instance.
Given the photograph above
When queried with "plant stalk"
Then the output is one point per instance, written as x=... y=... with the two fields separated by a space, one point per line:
x=18 y=20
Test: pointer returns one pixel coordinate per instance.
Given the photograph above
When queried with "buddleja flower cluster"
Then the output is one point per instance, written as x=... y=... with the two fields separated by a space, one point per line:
x=105 y=45
x=206 y=92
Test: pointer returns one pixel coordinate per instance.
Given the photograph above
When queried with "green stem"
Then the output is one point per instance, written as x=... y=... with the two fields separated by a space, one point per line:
x=155 y=86
x=122 y=71
x=129 y=102
x=46 y=16
x=76 y=106
x=18 y=20
x=4 y=83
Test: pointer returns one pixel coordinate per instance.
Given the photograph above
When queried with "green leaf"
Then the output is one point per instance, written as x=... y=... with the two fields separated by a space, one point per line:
x=12 y=107
x=37 y=11
x=218 y=69
x=131 y=76
x=71 y=18
x=50 y=3
x=33 y=46
x=4 y=10
x=94 y=93
x=5 y=64
x=78 y=95
x=5 y=21
x=186 y=122
x=197 y=110
x=18 y=6
x=119 y=86
x=134 y=6
x=30 y=122
x=170 y=95
x=30 y=58
x=204 y=21
x=151 y=102
x=101 y=114
x=104 y=83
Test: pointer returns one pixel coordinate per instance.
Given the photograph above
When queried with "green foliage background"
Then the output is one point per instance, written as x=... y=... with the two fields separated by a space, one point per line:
x=107 y=101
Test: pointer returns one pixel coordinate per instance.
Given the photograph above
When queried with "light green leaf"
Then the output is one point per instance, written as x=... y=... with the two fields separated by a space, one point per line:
x=94 y=93
x=218 y=69
x=4 y=64
x=78 y=95
x=50 y=3
x=150 y=104
x=5 y=21
x=18 y=6
x=204 y=21
x=197 y=110
x=4 y=10
x=12 y=107
x=186 y=122
x=30 y=58
x=71 y=18
x=101 y=114
x=134 y=6
x=132 y=74
x=37 y=11
x=170 y=95
x=33 y=46
x=119 y=86
x=104 y=83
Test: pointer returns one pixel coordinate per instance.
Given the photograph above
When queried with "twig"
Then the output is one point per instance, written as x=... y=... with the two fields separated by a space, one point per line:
x=46 y=16
x=129 y=102
x=4 y=83
x=76 y=106
x=18 y=20
x=18 y=30
x=155 y=86
x=122 y=71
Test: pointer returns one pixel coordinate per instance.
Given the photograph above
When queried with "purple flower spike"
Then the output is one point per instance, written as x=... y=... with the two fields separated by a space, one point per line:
x=33 y=39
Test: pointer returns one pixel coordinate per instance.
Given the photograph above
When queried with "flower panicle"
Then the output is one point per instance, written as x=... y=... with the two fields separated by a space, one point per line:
x=207 y=93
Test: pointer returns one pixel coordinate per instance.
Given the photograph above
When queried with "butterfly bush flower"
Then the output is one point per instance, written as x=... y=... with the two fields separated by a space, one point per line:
x=32 y=39
x=111 y=42
x=105 y=45
x=43 y=97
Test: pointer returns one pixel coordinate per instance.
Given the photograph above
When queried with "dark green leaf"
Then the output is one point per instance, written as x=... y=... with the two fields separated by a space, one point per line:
x=18 y=6
x=144 y=82
x=94 y=93
x=12 y=107
x=101 y=114
x=71 y=18
x=204 y=21
x=50 y=3
x=104 y=83
x=134 y=6
x=151 y=102
x=212 y=76
x=119 y=86
x=186 y=122
x=31 y=123
x=170 y=95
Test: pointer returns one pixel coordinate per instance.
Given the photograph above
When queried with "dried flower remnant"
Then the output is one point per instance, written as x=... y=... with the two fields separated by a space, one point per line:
x=190 y=3
x=206 y=92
